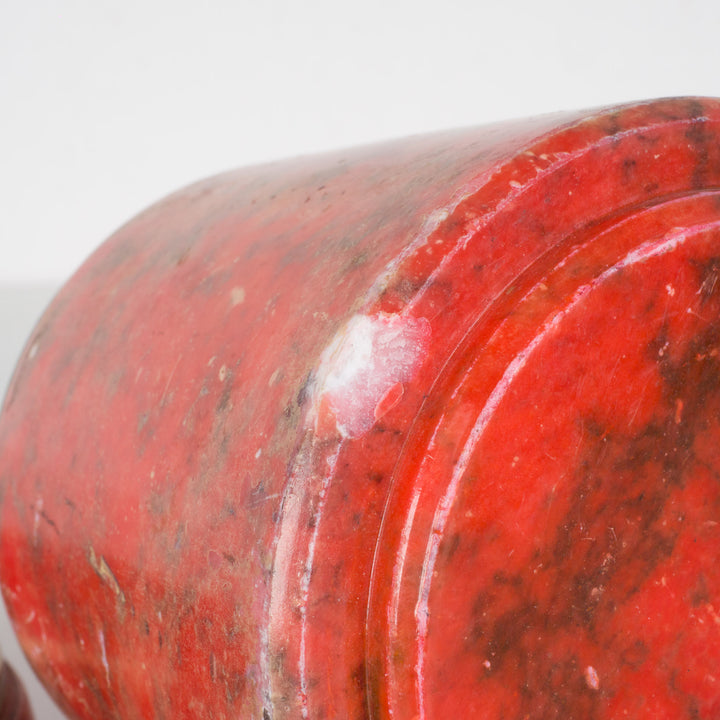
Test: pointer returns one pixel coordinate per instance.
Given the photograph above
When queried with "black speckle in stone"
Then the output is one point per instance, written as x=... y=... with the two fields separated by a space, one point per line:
x=695 y=109
x=699 y=595
x=450 y=547
x=648 y=139
x=635 y=655
x=303 y=392
x=700 y=138
x=224 y=399
x=629 y=168
x=612 y=124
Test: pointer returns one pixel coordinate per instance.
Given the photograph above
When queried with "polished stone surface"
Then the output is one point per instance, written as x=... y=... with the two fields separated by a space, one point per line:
x=415 y=431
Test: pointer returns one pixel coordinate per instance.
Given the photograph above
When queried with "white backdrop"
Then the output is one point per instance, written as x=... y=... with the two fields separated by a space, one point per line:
x=107 y=106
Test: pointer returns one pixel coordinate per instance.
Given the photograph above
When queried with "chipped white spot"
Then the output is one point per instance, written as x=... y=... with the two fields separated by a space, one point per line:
x=434 y=219
x=274 y=377
x=222 y=373
x=237 y=296
x=100 y=566
x=33 y=349
x=515 y=184
x=258 y=453
x=36 y=519
x=486 y=664
x=363 y=368
x=103 y=656
x=591 y=678
x=670 y=290
x=652 y=248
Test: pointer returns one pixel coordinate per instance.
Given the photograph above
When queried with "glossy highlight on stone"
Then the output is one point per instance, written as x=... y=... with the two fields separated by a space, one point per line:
x=422 y=430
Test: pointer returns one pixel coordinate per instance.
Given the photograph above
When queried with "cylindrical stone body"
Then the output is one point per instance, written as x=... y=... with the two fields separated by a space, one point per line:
x=424 y=430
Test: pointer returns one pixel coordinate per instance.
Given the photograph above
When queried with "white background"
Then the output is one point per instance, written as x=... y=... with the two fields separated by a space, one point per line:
x=105 y=107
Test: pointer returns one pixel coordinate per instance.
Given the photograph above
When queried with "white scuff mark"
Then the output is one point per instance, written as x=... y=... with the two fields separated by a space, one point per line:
x=591 y=678
x=36 y=519
x=362 y=371
x=169 y=380
x=258 y=453
x=652 y=248
x=103 y=655
x=263 y=499
x=237 y=296
x=33 y=349
x=100 y=566
x=433 y=220
x=431 y=223
x=35 y=650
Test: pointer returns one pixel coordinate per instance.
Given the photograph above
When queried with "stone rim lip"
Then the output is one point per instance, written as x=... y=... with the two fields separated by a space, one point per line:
x=393 y=627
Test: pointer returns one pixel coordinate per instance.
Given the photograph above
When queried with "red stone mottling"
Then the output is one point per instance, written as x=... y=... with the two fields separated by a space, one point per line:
x=528 y=528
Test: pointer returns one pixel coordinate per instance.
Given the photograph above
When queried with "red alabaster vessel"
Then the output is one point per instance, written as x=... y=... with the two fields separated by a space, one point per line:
x=424 y=430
